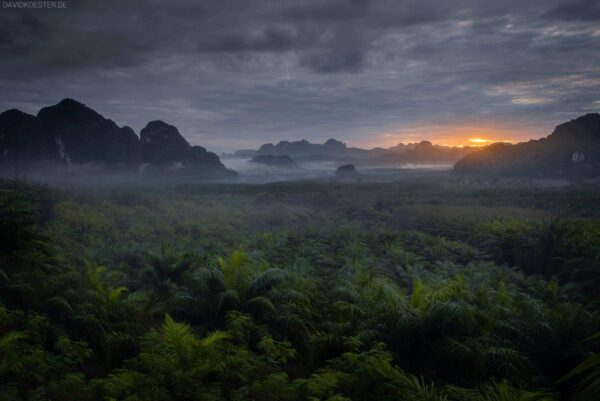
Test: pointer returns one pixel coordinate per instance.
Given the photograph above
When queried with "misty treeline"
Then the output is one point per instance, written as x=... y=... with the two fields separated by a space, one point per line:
x=297 y=292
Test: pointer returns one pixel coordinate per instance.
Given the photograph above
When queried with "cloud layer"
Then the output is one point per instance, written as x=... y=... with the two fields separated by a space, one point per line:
x=237 y=73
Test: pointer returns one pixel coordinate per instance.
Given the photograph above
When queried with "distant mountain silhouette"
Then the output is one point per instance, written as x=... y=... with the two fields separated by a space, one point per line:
x=70 y=133
x=330 y=150
x=572 y=150
x=334 y=150
x=401 y=147
x=423 y=153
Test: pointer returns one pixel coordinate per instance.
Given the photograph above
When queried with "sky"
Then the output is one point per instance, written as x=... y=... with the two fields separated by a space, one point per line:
x=234 y=74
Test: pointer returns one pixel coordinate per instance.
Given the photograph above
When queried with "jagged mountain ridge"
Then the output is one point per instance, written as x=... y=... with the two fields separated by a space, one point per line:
x=332 y=149
x=423 y=152
x=84 y=136
x=70 y=133
x=571 y=150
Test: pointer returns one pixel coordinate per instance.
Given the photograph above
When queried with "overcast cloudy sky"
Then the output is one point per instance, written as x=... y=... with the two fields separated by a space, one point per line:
x=234 y=74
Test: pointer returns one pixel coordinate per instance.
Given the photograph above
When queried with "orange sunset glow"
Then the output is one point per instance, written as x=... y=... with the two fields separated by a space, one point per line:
x=450 y=135
x=485 y=142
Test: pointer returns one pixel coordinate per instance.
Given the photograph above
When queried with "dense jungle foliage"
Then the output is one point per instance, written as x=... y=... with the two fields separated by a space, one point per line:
x=300 y=291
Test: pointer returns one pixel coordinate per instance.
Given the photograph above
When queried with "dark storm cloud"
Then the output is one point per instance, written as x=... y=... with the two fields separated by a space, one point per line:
x=271 y=39
x=583 y=10
x=235 y=73
x=98 y=34
x=332 y=11
x=20 y=31
x=346 y=59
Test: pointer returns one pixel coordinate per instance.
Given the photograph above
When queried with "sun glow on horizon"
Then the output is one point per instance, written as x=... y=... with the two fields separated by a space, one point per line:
x=451 y=135
x=459 y=141
x=484 y=142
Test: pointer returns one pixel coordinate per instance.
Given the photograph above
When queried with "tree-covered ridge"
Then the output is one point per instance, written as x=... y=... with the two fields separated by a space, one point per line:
x=571 y=150
x=217 y=293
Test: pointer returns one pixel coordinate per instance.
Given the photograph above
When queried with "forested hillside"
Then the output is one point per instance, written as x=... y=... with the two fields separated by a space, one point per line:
x=571 y=150
x=299 y=291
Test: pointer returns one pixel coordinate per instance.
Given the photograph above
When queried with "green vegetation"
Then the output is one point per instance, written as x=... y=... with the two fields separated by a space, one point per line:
x=300 y=291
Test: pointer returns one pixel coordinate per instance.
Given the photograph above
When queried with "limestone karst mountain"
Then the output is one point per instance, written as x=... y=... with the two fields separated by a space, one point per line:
x=71 y=134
